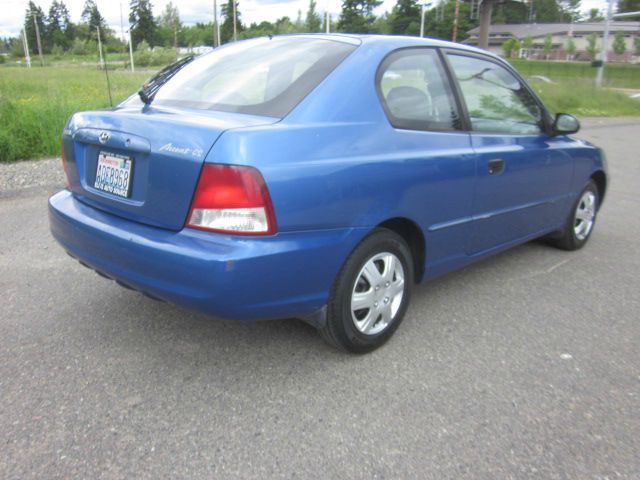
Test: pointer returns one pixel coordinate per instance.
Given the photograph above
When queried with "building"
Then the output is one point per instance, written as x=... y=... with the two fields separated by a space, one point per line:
x=560 y=34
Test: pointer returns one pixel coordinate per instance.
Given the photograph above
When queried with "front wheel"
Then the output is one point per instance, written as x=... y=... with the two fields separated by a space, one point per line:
x=371 y=293
x=581 y=220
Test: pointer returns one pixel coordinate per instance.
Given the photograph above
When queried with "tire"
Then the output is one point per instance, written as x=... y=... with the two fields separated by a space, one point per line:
x=581 y=220
x=377 y=276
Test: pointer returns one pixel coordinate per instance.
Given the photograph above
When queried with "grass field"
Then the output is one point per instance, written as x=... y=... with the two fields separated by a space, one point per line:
x=615 y=74
x=35 y=103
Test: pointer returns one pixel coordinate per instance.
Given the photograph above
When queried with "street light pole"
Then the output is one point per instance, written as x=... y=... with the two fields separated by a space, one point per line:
x=605 y=44
x=422 y=22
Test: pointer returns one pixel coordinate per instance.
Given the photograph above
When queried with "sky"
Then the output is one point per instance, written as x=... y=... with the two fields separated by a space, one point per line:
x=192 y=11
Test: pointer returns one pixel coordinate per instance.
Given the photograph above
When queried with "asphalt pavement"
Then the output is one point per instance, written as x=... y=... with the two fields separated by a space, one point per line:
x=526 y=365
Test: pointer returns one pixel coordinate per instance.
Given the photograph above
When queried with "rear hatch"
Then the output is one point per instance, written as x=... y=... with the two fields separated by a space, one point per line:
x=150 y=159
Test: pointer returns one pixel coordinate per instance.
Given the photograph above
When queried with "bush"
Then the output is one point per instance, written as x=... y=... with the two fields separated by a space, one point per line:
x=57 y=51
x=2 y=59
x=145 y=57
x=79 y=47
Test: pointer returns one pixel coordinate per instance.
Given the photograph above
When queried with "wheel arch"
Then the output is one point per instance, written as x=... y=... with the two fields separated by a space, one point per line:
x=413 y=235
x=600 y=179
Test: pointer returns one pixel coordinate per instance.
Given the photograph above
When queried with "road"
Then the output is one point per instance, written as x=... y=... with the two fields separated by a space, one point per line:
x=524 y=366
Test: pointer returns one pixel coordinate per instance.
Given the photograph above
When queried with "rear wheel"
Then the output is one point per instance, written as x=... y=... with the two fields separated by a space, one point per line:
x=581 y=220
x=371 y=293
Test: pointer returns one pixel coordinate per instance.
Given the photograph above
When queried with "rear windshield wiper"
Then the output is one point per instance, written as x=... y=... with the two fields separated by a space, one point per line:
x=151 y=87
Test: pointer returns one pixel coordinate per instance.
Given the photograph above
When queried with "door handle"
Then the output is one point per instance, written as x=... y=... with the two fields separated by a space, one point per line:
x=496 y=166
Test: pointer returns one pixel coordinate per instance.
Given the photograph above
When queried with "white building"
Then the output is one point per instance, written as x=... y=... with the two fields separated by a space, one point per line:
x=560 y=34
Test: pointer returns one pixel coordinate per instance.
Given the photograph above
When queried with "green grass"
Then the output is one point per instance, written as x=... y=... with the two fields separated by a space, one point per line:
x=35 y=104
x=617 y=75
x=583 y=99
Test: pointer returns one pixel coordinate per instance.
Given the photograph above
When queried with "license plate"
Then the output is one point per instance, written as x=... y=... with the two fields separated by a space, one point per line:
x=114 y=174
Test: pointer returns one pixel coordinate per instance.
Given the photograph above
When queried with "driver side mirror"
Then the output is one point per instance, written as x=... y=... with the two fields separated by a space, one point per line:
x=565 y=124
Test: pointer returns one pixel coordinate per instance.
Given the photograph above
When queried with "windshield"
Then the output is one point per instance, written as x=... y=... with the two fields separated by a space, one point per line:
x=259 y=77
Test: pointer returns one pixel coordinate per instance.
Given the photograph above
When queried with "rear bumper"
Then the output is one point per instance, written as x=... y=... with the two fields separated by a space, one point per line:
x=245 y=278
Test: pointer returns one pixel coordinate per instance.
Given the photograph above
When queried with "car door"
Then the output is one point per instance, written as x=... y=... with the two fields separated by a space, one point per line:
x=521 y=174
x=431 y=149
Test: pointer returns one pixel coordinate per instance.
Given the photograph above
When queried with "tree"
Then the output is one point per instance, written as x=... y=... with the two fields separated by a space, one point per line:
x=226 y=28
x=636 y=45
x=592 y=46
x=94 y=19
x=508 y=46
x=628 y=6
x=595 y=15
x=143 y=25
x=548 y=46
x=443 y=28
x=170 y=27
x=405 y=17
x=59 y=29
x=528 y=43
x=35 y=12
x=570 y=48
x=619 y=45
x=571 y=10
x=313 y=22
x=357 y=15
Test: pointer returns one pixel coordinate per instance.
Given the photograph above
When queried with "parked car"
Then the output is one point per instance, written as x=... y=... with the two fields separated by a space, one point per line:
x=320 y=177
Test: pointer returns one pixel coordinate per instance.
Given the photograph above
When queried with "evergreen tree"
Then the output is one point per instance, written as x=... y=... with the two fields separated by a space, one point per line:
x=35 y=12
x=94 y=19
x=313 y=21
x=226 y=28
x=59 y=28
x=405 y=17
x=143 y=25
x=357 y=15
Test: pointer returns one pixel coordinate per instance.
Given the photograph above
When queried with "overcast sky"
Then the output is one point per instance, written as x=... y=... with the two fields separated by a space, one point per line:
x=191 y=11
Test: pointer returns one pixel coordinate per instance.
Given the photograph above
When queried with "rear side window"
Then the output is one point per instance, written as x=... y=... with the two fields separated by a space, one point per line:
x=497 y=101
x=259 y=77
x=415 y=92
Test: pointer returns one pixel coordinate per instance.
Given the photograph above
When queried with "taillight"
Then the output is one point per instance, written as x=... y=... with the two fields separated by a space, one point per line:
x=232 y=199
x=64 y=166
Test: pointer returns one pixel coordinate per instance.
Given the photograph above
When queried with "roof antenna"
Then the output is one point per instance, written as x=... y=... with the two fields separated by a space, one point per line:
x=103 y=64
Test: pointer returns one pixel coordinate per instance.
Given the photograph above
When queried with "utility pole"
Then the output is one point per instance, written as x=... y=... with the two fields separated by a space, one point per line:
x=131 y=51
x=122 y=27
x=605 y=44
x=35 y=22
x=422 y=21
x=486 y=8
x=216 y=26
x=25 y=44
x=235 y=28
x=456 y=15
x=328 y=21
x=102 y=65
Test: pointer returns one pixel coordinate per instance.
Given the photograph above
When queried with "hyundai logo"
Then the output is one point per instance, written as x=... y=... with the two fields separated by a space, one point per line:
x=104 y=137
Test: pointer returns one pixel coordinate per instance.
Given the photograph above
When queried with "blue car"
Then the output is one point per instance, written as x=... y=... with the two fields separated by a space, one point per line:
x=320 y=177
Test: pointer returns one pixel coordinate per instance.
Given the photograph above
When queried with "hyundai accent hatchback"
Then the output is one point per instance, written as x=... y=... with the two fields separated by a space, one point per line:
x=320 y=177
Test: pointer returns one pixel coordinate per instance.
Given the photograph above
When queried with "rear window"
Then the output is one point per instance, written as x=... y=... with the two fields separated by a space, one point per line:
x=259 y=77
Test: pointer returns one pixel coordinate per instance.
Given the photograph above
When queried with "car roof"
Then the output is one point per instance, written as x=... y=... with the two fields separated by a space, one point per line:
x=392 y=42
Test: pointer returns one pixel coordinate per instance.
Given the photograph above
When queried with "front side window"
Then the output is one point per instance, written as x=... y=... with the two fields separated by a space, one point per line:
x=415 y=92
x=496 y=100
x=258 y=77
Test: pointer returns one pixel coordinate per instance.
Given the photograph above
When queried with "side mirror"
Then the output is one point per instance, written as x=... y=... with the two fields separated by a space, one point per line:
x=565 y=124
